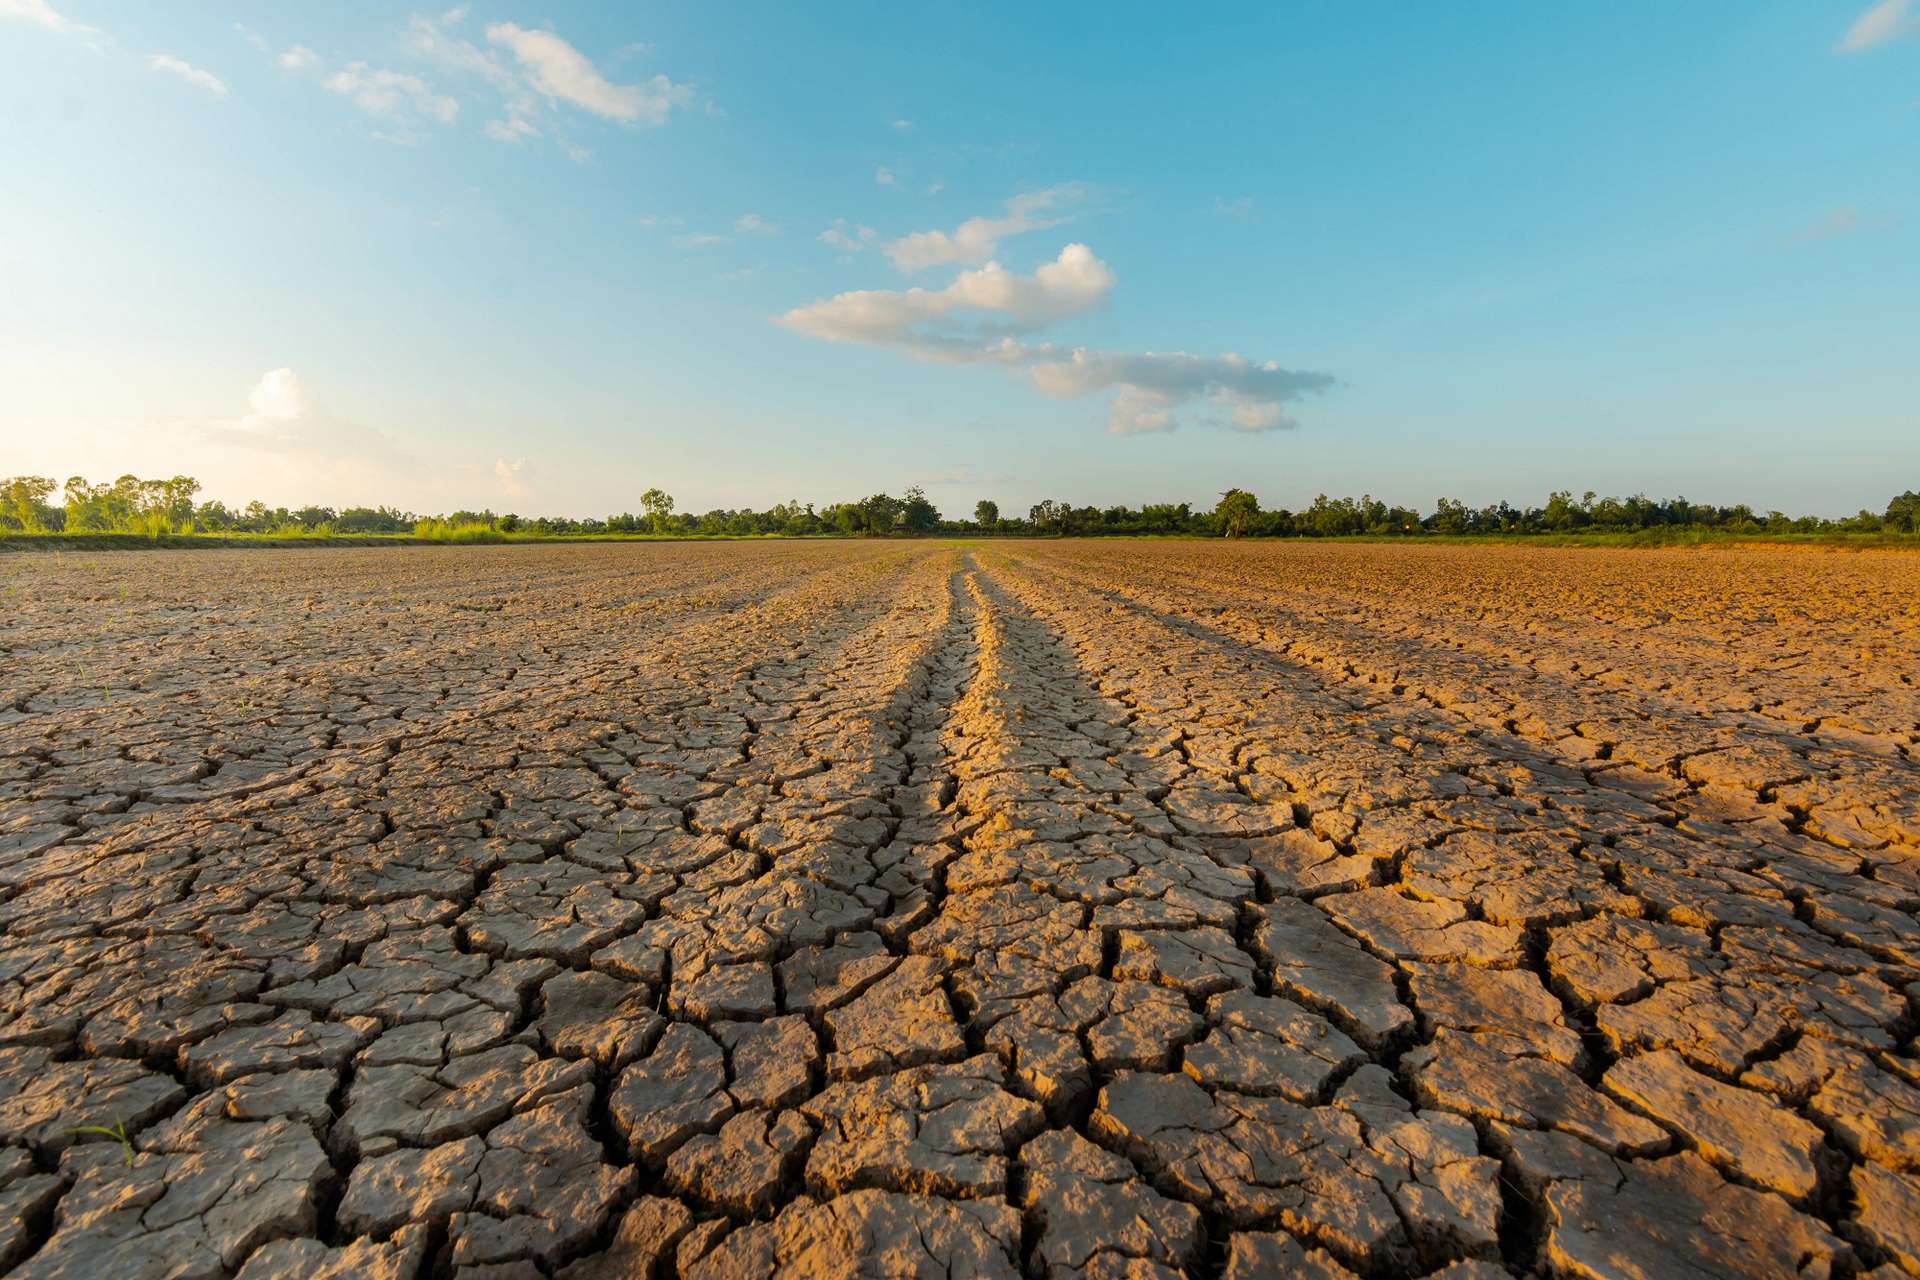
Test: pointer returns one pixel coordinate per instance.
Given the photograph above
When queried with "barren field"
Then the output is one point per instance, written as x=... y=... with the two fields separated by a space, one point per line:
x=1110 y=909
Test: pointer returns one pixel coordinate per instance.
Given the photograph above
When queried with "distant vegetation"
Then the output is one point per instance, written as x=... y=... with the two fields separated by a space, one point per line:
x=165 y=509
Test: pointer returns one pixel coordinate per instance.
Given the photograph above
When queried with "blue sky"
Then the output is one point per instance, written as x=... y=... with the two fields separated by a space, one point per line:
x=544 y=257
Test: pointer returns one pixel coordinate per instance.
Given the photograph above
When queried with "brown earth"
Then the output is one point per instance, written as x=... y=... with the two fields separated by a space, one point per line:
x=1111 y=909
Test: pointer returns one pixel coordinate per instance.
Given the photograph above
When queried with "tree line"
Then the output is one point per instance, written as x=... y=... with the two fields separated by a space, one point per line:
x=38 y=505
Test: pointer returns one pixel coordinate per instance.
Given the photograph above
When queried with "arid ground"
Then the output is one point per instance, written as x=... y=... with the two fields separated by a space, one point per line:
x=1112 y=909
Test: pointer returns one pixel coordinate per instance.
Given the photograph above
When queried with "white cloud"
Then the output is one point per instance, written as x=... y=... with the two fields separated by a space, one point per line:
x=754 y=224
x=42 y=14
x=701 y=240
x=280 y=396
x=251 y=36
x=430 y=38
x=299 y=58
x=531 y=71
x=562 y=72
x=883 y=176
x=841 y=235
x=975 y=319
x=1151 y=384
x=512 y=476
x=978 y=239
x=924 y=321
x=903 y=125
x=1884 y=21
x=186 y=71
x=391 y=94
x=309 y=447
x=511 y=129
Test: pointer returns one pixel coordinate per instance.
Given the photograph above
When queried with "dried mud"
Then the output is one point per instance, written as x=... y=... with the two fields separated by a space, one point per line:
x=1111 y=910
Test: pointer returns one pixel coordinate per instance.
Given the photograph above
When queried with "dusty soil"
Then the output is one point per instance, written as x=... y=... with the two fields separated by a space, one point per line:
x=1120 y=910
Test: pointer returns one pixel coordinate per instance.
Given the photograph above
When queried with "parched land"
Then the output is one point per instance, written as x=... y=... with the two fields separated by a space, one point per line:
x=1117 y=910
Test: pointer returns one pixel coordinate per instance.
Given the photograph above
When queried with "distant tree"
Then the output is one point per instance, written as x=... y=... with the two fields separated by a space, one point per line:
x=373 y=520
x=917 y=513
x=986 y=513
x=1903 y=514
x=23 y=504
x=314 y=517
x=213 y=516
x=1235 y=511
x=847 y=517
x=882 y=513
x=658 y=504
x=1450 y=515
x=1562 y=512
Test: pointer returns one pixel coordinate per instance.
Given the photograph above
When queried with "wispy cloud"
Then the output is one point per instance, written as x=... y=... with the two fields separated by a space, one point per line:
x=186 y=71
x=701 y=240
x=532 y=73
x=1884 y=21
x=883 y=176
x=562 y=72
x=754 y=225
x=903 y=125
x=847 y=236
x=1151 y=385
x=39 y=13
x=510 y=129
x=978 y=239
x=299 y=58
x=392 y=95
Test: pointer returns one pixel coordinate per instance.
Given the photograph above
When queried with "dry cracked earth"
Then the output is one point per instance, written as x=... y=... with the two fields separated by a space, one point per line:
x=1104 y=910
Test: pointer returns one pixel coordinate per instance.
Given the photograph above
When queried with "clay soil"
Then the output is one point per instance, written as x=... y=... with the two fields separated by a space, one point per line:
x=1105 y=909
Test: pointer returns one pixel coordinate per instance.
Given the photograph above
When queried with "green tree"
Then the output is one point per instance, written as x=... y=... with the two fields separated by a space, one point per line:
x=1235 y=511
x=986 y=513
x=917 y=513
x=23 y=504
x=1903 y=513
x=658 y=504
x=1562 y=512
x=882 y=513
x=1450 y=515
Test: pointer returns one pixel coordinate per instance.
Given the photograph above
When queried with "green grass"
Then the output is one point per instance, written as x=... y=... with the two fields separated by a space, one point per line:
x=436 y=533
x=118 y=1132
x=14 y=540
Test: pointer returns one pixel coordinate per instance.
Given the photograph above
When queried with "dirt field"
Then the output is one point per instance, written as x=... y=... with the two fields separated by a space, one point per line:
x=1104 y=909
